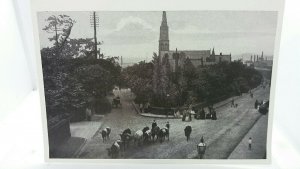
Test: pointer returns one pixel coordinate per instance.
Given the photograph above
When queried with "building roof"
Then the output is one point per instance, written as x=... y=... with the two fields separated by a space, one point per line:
x=194 y=54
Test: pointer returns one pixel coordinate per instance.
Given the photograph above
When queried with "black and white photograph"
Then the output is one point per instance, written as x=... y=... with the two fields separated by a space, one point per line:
x=157 y=84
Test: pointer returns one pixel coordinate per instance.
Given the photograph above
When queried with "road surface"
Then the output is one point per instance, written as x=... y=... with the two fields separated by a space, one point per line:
x=222 y=135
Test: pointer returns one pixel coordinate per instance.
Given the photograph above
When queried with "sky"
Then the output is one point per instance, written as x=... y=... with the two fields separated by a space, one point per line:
x=135 y=35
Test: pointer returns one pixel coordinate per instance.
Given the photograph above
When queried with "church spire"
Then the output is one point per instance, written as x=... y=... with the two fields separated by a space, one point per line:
x=164 y=34
x=213 y=52
x=164 y=19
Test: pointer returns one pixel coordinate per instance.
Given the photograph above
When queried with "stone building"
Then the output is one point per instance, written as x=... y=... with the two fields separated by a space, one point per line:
x=177 y=57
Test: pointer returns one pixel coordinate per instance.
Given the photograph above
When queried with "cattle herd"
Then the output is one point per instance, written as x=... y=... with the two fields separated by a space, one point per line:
x=140 y=137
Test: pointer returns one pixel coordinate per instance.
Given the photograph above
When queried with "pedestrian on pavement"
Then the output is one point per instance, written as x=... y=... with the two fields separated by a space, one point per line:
x=141 y=108
x=256 y=104
x=232 y=103
x=250 y=143
x=88 y=113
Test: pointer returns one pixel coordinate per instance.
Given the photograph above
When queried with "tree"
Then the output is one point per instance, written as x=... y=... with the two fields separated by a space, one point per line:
x=138 y=78
x=78 y=48
x=61 y=26
x=189 y=72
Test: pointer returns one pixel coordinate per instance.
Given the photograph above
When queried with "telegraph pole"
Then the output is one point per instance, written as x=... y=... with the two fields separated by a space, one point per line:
x=95 y=23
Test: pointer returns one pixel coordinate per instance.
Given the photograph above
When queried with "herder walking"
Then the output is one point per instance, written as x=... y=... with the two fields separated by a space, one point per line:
x=250 y=143
x=154 y=124
x=168 y=125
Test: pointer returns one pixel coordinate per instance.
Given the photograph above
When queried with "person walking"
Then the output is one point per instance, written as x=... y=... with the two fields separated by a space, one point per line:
x=201 y=147
x=141 y=108
x=190 y=115
x=168 y=125
x=250 y=143
x=154 y=124
x=256 y=104
x=88 y=113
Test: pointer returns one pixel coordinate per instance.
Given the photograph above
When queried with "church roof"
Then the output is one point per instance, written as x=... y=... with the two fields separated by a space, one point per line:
x=195 y=54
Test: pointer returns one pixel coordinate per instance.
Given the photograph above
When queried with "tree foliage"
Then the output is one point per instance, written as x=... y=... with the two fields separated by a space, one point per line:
x=72 y=79
x=61 y=27
x=72 y=84
x=139 y=78
x=152 y=82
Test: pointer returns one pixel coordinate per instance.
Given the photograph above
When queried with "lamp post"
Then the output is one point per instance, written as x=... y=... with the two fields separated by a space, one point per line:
x=167 y=103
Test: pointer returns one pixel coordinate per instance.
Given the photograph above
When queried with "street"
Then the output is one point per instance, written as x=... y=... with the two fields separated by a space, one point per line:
x=221 y=135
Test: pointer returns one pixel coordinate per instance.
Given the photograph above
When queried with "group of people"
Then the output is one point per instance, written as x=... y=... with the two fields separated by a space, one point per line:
x=154 y=124
x=202 y=114
x=144 y=108
x=186 y=114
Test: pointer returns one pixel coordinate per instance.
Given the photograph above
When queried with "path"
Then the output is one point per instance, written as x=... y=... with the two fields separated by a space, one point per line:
x=259 y=140
x=86 y=129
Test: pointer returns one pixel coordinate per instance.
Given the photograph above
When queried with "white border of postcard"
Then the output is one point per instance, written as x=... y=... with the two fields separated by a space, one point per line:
x=157 y=5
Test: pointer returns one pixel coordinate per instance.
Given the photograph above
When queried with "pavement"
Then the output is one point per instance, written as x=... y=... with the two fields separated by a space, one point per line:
x=259 y=142
x=86 y=129
x=81 y=132
x=69 y=149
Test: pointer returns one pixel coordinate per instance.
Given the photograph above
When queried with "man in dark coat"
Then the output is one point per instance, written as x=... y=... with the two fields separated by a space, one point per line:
x=187 y=132
x=154 y=124
x=256 y=104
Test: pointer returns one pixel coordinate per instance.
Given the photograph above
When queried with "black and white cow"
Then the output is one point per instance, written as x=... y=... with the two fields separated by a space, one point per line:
x=146 y=134
x=126 y=137
x=163 y=133
x=105 y=133
x=154 y=132
x=187 y=132
x=115 y=149
x=138 y=137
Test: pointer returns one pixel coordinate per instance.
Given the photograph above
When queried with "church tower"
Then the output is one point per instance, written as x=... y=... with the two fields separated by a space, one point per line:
x=164 y=35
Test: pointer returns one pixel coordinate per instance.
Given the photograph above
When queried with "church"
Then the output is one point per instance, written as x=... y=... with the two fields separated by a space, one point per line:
x=177 y=57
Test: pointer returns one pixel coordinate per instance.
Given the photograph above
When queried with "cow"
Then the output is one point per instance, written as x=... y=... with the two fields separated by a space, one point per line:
x=187 y=132
x=108 y=129
x=105 y=133
x=114 y=150
x=162 y=134
x=146 y=134
x=154 y=132
x=138 y=137
x=126 y=137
